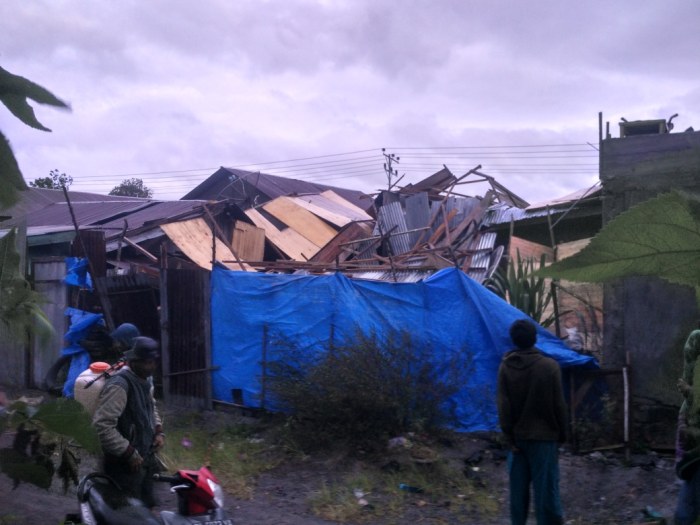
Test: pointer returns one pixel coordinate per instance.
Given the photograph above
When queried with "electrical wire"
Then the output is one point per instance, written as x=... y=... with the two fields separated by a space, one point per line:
x=511 y=160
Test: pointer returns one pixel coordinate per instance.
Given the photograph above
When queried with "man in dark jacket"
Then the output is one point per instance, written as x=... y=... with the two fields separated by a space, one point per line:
x=532 y=414
x=128 y=424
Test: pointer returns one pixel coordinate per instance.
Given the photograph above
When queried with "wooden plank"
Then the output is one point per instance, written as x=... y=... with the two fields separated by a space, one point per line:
x=333 y=196
x=194 y=238
x=300 y=220
x=440 y=230
x=248 y=241
x=528 y=249
x=475 y=217
x=338 y=247
x=291 y=243
x=330 y=210
x=335 y=218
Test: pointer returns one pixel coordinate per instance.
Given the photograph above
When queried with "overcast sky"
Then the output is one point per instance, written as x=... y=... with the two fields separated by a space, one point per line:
x=168 y=91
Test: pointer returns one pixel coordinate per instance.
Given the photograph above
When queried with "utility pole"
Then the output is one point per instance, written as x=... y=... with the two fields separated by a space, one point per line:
x=391 y=172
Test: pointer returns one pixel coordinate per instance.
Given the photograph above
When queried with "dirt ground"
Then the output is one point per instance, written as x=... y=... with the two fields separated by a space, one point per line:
x=599 y=488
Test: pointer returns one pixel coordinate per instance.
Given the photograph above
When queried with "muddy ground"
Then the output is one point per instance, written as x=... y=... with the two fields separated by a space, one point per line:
x=598 y=488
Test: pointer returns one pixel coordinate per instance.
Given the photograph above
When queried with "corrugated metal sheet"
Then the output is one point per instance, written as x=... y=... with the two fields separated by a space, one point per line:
x=503 y=214
x=401 y=276
x=392 y=221
x=86 y=213
x=35 y=199
x=417 y=215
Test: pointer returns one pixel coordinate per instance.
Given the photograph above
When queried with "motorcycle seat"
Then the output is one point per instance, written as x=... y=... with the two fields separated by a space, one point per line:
x=112 y=507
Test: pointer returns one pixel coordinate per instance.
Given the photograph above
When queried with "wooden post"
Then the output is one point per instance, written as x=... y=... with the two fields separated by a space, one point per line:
x=553 y=284
x=164 y=323
x=99 y=285
x=206 y=322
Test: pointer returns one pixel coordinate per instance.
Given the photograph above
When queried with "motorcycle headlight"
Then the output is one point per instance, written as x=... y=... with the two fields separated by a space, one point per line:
x=218 y=493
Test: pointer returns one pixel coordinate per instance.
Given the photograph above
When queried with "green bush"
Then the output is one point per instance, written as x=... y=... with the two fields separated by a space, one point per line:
x=364 y=392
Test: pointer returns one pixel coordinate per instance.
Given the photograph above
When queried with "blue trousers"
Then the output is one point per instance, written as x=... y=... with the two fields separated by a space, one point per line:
x=536 y=464
x=688 y=508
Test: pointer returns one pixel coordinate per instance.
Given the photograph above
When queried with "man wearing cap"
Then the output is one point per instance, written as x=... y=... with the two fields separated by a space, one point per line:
x=123 y=336
x=128 y=424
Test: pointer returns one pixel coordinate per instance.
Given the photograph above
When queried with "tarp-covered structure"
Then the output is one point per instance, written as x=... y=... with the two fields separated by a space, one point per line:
x=448 y=311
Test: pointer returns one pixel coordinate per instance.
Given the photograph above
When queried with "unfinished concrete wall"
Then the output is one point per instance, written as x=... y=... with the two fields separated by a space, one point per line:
x=648 y=319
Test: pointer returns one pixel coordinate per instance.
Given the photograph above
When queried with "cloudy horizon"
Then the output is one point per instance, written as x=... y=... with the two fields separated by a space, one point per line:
x=170 y=91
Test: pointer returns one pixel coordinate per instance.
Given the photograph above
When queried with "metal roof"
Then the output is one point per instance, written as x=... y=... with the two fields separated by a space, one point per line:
x=502 y=214
x=32 y=200
x=235 y=184
x=86 y=213
x=46 y=212
x=154 y=214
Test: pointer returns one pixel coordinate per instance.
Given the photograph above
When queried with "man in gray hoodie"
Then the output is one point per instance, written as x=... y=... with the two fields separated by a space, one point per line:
x=532 y=415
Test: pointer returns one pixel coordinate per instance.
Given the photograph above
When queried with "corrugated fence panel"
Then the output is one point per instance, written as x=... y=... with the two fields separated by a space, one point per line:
x=48 y=274
x=188 y=374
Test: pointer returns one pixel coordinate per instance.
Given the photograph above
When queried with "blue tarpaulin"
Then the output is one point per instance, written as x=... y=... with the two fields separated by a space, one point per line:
x=81 y=323
x=448 y=312
x=77 y=273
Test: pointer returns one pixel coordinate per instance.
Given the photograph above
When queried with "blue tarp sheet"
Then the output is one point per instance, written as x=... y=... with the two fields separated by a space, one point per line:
x=448 y=311
x=77 y=273
x=81 y=323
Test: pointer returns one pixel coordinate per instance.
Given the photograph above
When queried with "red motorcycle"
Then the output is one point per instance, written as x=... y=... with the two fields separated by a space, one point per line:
x=199 y=496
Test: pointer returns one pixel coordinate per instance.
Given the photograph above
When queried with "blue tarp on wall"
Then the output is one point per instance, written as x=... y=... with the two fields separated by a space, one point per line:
x=448 y=312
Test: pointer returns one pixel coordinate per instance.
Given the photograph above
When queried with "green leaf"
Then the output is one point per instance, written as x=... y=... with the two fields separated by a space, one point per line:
x=14 y=92
x=69 y=418
x=20 y=306
x=659 y=237
x=25 y=469
x=11 y=175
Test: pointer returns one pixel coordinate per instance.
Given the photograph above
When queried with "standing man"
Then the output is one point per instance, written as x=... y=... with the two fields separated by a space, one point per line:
x=532 y=414
x=688 y=434
x=128 y=425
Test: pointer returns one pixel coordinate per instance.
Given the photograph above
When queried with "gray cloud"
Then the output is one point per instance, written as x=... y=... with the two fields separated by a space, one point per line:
x=171 y=86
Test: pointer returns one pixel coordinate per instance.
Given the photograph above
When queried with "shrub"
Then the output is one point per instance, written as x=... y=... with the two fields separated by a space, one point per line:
x=366 y=391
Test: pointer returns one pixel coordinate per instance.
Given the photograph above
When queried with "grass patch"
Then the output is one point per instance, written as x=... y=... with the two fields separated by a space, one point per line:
x=374 y=493
x=233 y=450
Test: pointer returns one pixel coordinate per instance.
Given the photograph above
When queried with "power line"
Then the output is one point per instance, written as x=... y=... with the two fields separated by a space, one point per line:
x=512 y=160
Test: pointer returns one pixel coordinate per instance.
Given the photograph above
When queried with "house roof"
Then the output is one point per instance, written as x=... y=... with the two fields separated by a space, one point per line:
x=46 y=212
x=248 y=189
x=502 y=214
x=32 y=200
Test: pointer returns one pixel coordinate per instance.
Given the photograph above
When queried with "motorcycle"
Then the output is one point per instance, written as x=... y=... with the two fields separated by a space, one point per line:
x=199 y=501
